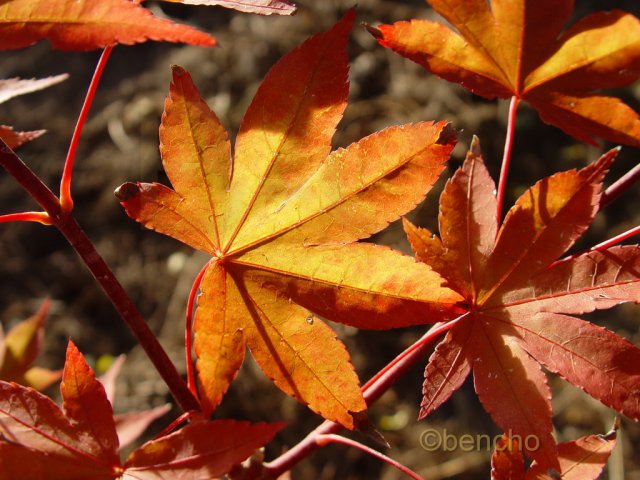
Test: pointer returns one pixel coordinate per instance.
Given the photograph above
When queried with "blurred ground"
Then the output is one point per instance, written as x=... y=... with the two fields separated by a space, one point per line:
x=121 y=144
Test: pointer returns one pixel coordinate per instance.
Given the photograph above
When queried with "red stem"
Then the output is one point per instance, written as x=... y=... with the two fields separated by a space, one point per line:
x=381 y=381
x=506 y=158
x=188 y=331
x=372 y=390
x=68 y=226
x=620 y=186
x=40 y=217
x=66 y=200
x=323 y=440
x=617 y=239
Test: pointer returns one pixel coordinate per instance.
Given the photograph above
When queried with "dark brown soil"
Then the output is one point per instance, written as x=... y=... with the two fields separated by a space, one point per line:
x=120 y=144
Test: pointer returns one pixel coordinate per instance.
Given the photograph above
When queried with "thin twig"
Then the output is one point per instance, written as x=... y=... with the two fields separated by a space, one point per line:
x=620 y=186
x=68 y=226
x=506 y=158
x=617 y=239
x=188 y=330
x=323 y=440
x=39 y=217
x=66 y=200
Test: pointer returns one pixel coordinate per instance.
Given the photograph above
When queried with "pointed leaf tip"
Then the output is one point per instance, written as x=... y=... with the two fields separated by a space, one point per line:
x=375 y=32
x=177 y=70
x=474 y=148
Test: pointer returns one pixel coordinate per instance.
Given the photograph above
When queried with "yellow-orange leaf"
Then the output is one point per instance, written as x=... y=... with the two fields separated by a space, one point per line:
x=281 y=222
x=87 y=24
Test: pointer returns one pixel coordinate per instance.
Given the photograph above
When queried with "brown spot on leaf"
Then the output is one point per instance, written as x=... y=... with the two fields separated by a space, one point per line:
x=126 y=191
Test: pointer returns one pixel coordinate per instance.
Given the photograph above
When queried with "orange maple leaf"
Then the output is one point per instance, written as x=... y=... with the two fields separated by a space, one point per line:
x=518 y=299
x=282 y=227
x=88 y=24
x=518 y=48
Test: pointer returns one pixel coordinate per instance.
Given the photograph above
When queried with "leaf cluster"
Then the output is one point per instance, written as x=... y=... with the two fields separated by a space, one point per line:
x=285 y=219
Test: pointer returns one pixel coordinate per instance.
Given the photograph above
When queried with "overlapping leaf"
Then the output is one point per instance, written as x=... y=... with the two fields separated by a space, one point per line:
x=130 y=425
x=20 y=348
x=582 y=459
x=87 y=24
x=262 y=7
x=12 y=87
x=518 y=48
x=40 y=440
x=281 y=222
x=519 y=300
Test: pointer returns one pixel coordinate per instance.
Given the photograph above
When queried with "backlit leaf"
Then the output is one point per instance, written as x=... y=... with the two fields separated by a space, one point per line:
x=518 y=298
x=200 y=450
x=582 y=459
x=87 y=24
x=40 y=440
x=280 y=222
x=507 y=462
x=518 y=48
x=20 y=348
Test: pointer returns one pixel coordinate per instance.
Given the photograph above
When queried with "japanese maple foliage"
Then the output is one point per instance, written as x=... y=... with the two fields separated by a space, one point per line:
x=87 y=24
x=12 y=87
x=518 y=48
x=19 y=349
x=262 y=7
x=518 y=299
x=79 y=441
x=280 y=222
x=581 y=459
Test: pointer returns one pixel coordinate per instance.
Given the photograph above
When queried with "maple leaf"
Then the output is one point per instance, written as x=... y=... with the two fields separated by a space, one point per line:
x=518 y=48
x=262 y=7
x=88 y=24
x=518 y=299
x=20 y=347
x=39 y=440
x=507 y=461
x=14 y=139
x=12 y=87
x=130 y=425
x=581 y=459
x=281 y=228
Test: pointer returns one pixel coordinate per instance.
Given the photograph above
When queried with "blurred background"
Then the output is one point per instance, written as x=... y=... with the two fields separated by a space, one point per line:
x=120 y=143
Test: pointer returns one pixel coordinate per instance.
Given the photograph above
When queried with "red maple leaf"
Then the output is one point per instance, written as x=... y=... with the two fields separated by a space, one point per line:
x=519 y=300
x=40 y=440
x=581 y=459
